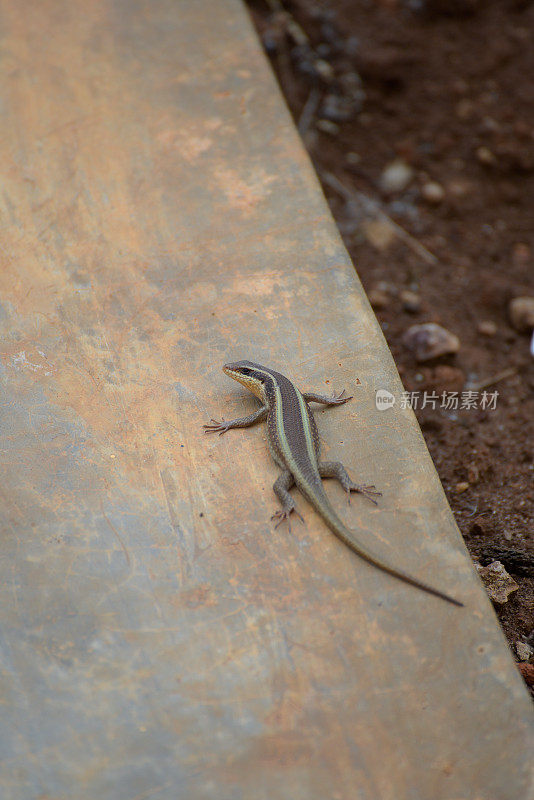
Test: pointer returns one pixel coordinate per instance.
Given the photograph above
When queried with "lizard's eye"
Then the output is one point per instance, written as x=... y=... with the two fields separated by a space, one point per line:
x=245 y=371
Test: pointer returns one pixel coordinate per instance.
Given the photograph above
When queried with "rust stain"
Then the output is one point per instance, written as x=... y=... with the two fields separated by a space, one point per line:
x=197 y=597
x=25 y=357
x=99 y=344
x=244 y=194
x=191 y=140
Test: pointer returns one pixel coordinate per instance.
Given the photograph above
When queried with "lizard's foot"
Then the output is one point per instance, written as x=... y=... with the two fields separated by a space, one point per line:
x=283 y=513
x=368 y=491
x=217 y=427
x=335 y=469
x=339 y=399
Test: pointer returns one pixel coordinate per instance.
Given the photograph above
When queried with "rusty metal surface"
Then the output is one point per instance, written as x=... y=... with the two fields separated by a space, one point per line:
x=159 y=639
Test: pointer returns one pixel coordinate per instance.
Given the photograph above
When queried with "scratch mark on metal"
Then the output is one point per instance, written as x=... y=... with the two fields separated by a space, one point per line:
x=170 y=489
x=115 y=531
x=151 y=792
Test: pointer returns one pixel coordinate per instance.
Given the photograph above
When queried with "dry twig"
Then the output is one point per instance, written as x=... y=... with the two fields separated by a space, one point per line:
x=372 y=208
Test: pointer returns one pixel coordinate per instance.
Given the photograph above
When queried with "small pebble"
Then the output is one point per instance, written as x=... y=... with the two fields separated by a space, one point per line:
x=379 y=232
x=521 y=311
x=324 y=69
x=395 y=177
x=433 y=192
x=524 y=651
x=352 y=89
x=460 y=187
x=338 y=108
x=499 y=584
x=485 y=156
x=352 y=45
x=464 y=108
x=326 y=126
x=527 y=671
x=473 y=473
x=379 y=299
x=380 y=294
x=487 y=328
x=461 y=487
x=430 y=340
x=521 y=254
x=411 y=301
x=353 y=158
x=490 y=124
x=386 y=286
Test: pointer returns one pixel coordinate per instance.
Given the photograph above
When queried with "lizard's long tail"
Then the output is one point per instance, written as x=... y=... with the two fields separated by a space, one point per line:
x=318 y=499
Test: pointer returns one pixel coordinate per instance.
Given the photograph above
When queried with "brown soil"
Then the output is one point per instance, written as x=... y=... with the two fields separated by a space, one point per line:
x=447 y=88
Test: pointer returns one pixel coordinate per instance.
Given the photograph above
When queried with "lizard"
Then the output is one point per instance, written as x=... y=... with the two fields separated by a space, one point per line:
x=293 y=441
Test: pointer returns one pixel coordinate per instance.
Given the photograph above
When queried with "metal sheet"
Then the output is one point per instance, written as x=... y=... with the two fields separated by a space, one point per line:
x=159 y=639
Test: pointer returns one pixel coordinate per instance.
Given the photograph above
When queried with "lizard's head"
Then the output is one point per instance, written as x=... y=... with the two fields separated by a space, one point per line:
x=252 y=376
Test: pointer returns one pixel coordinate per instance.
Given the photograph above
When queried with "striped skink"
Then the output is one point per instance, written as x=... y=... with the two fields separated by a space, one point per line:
x=294 y=444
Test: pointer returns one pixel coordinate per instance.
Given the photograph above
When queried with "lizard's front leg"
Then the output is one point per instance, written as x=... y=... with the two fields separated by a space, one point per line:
x=333 y=400
x=281 y=489
x=243 y=422
x=335 y=469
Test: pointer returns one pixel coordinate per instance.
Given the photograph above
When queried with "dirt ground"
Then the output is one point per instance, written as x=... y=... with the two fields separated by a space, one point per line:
x=419 y=118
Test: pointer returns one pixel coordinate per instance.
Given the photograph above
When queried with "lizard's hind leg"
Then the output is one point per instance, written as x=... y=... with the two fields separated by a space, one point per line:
x=281 y=489
x=335 y=469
